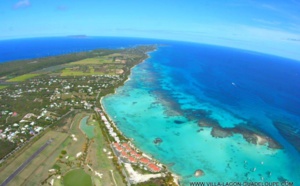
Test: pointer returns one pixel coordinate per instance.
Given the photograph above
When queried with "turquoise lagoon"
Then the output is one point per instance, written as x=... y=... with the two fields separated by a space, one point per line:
x=231 y=87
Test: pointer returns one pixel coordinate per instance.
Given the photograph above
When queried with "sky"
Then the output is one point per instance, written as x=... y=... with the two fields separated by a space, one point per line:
x=267 y=26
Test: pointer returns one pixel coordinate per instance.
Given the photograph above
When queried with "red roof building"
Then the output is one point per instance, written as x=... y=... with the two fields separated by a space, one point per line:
x=154 y=168
x=124 y=154
x=125 y=145
x=133 y=153
x=119 y=148
x=144 y=160
x=138 y=156
x=132 y=159
x=129 y=149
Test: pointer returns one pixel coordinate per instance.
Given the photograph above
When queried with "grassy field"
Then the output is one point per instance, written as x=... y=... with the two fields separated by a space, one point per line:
x=104 y=63
x=22 y=78
x=2 y=87
x=99 y=161
x=51 y=158
x=77 y=178
x=33 y=173
x=71 y=72
x=96 y=158
x=93 y=61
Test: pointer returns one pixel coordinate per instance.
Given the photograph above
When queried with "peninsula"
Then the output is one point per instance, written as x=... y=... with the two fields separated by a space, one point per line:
x=58 y=98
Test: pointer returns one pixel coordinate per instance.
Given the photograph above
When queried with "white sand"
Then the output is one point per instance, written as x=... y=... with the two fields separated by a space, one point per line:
x=136 y=177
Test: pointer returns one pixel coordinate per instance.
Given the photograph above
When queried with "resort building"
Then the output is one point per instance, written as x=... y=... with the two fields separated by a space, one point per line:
x=132 y=159
x=154 y=168
x=144 y=160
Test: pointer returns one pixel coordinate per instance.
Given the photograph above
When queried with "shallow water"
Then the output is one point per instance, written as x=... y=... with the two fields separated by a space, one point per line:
x=230 y=86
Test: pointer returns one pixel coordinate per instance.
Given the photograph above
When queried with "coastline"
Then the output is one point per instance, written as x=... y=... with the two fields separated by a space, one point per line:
x=176 y=178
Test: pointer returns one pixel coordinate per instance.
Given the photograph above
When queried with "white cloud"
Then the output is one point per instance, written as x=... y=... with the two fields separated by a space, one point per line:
x=22 y=4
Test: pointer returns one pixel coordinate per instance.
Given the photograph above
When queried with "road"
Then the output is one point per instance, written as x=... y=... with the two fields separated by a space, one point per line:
x=14 y=174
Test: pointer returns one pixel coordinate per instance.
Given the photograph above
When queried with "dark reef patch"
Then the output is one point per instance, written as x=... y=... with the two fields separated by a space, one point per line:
x=289 y=132
x=282 y=179
x=219 y=132
x=247 y=130
x=250 y=134
x=178 y=122
x=192 y=114
x=157 y=141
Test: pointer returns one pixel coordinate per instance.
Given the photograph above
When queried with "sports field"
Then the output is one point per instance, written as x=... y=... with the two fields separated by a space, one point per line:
x=101 y=161
x=77 y=178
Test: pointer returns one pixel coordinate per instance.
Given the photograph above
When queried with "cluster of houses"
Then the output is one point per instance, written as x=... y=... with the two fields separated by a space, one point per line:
x=59 y=94
x=127 y=152
x=25 y=126
x=29 y=124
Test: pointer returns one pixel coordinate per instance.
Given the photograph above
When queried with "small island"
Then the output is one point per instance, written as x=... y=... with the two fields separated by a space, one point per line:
x=51 y=106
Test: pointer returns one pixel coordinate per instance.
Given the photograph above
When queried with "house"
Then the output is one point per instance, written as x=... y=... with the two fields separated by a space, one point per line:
x=38 y=129
x=132 y=159
x=144 y=160
x=154 y=168
x=124 y=154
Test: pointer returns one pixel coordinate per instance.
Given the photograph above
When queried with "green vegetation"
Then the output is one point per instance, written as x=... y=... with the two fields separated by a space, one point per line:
x=2 y=87
x=63 y=152
x=93 y=61
x=103 y=163
x=20 y=67
x=90 y=71
x=167 y=180
x=77 y=178
x=121 y=57
x=6 y=147
x=22 y=77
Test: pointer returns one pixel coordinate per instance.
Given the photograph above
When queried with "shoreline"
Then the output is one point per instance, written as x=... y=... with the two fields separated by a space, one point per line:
x=176 y=178
x=128 y=78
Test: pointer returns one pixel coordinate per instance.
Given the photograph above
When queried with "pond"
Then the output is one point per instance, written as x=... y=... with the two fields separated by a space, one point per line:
x=87 y=129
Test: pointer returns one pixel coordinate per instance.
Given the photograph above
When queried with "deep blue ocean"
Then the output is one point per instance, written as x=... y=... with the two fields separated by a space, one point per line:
x=183 y=83
x=42 y=47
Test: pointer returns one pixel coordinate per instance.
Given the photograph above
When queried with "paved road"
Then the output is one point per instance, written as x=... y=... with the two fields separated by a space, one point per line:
x=14 y=174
